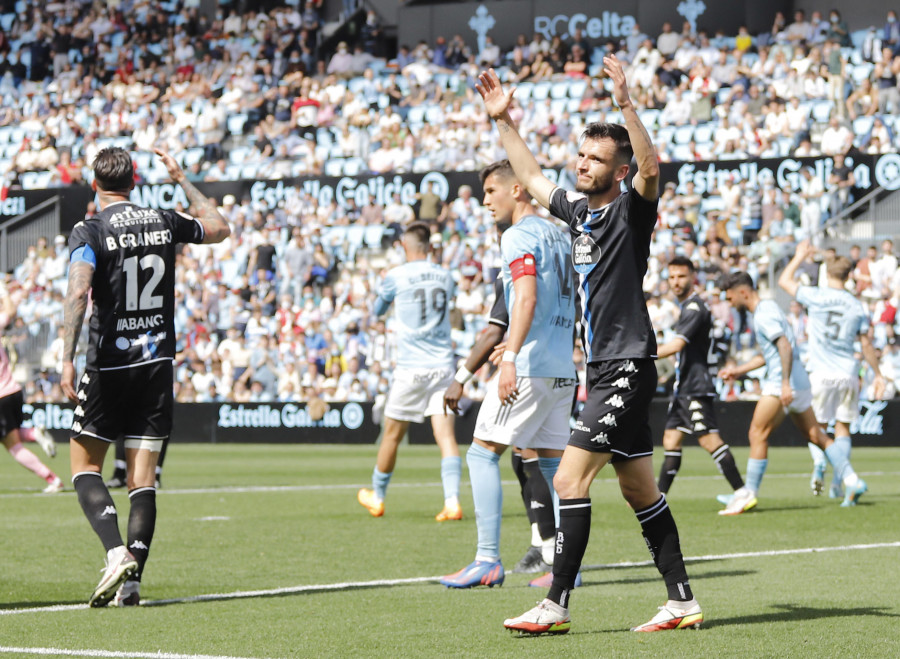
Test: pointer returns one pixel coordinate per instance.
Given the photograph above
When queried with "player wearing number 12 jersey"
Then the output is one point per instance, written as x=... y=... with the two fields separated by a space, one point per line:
x=421 y=293
x=125 y=257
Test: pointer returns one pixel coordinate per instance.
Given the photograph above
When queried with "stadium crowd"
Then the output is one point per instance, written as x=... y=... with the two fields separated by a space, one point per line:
x=281 y=311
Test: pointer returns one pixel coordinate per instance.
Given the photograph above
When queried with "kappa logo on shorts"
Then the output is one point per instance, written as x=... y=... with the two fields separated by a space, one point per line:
x=699 y=426
x=609 y=420
x=76 y=427
x=86 y=378
x=628 y=367
x=600 y=438
x=697 y=416
x=622 y=383
x=82 y=395
x=616 y=401
x=695 y=405
x=79 y=411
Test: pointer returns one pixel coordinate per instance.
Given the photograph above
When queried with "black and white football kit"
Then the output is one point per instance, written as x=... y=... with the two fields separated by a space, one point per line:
x=126 y=389
x=610 y=248
x=692 y=409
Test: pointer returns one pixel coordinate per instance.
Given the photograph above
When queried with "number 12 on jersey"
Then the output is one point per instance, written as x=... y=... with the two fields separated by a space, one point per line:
x=147 y=299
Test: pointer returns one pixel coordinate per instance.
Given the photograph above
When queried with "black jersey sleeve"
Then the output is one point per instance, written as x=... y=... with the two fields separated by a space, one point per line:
x=185 y=228
x=691 y=322
x=83 y=235
x=642 y=213
x=499 y=312
x=569 y=206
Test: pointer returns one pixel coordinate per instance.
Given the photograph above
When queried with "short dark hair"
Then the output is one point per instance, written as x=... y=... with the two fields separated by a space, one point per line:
x=616 y=132
x=735 y=279
x=501 y=168
x=114 y=170
x=684 y=262
x=420 y=232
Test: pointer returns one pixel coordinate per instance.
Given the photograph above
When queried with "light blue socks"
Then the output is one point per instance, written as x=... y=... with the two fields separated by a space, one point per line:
x=451 y=472
x=484 y=472
x=380 y=482
x=756 y=469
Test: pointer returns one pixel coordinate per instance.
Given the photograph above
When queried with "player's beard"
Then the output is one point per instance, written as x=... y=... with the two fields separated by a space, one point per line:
x=598 y=187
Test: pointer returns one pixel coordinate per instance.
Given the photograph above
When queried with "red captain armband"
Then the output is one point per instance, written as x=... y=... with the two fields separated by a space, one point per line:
x=523 y=266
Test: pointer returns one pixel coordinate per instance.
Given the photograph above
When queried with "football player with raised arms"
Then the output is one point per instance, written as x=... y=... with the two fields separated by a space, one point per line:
x=612 y=232
x=124 y=257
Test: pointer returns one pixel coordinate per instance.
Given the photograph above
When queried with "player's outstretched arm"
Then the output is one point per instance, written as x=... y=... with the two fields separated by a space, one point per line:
x=670 y=348
x=497 y=101
x=215 y=228
x=786 y=280
x=646 y=181
x=81 y=274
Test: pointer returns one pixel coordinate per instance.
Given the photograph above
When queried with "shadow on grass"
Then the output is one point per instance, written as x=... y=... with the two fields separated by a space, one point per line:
x=793 y=612
x=655 y=578
x=784 y=613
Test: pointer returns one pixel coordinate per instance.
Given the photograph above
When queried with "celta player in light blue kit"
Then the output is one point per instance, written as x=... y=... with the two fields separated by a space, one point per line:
x=422 y=293
x=837 y=319
x=785 y=386
x=528 y=404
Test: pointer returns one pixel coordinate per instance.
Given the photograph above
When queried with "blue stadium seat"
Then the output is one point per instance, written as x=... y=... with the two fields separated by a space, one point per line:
x=862 y=125
x=334 y=167
x=523 y=91
x=821 y=111
x=559 y=89
x=541 y=90
x=684 y=134
x=703 y=132
x=236 y=123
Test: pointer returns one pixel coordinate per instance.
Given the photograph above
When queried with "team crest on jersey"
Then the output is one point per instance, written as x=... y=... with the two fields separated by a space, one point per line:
x=585 y=254
x=693 y=306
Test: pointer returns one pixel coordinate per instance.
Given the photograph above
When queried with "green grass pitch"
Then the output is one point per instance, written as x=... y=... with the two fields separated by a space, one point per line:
x=244 y=531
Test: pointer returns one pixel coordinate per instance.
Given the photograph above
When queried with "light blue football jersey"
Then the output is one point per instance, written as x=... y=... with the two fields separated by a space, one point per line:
x=547 y=351
x=769 y=323
x=422 y=293
x=836 y=319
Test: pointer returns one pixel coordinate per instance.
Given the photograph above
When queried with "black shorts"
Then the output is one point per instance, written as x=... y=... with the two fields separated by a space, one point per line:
x=693 y=415
x=134 y=403
x=11 y=413
x=616 y=416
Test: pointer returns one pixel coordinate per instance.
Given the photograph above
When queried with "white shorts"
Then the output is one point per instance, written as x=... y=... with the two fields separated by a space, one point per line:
x=835 y=397
x=417 y=393
x=802 y=397
x=539 y=418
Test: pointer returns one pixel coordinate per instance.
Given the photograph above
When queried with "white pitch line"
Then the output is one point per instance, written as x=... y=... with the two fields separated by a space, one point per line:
x=60 y=652
x=245 y=594
x=251 y=489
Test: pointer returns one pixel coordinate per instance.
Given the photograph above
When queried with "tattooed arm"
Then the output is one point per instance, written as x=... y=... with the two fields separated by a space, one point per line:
x=215 y=228
x=527 y=169
x=81 y=274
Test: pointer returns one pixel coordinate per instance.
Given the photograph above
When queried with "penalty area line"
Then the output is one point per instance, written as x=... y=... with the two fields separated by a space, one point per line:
x=63 y=652
x=352 y=585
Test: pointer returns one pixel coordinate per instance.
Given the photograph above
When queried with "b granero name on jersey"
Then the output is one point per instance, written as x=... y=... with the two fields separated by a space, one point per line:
x=125 y=240
x=140 y=323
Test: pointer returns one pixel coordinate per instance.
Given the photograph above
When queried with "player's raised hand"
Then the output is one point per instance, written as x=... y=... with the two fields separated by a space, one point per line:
x=496 y=99
x=172 y=166
x=805 y=249
x=613 y=68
